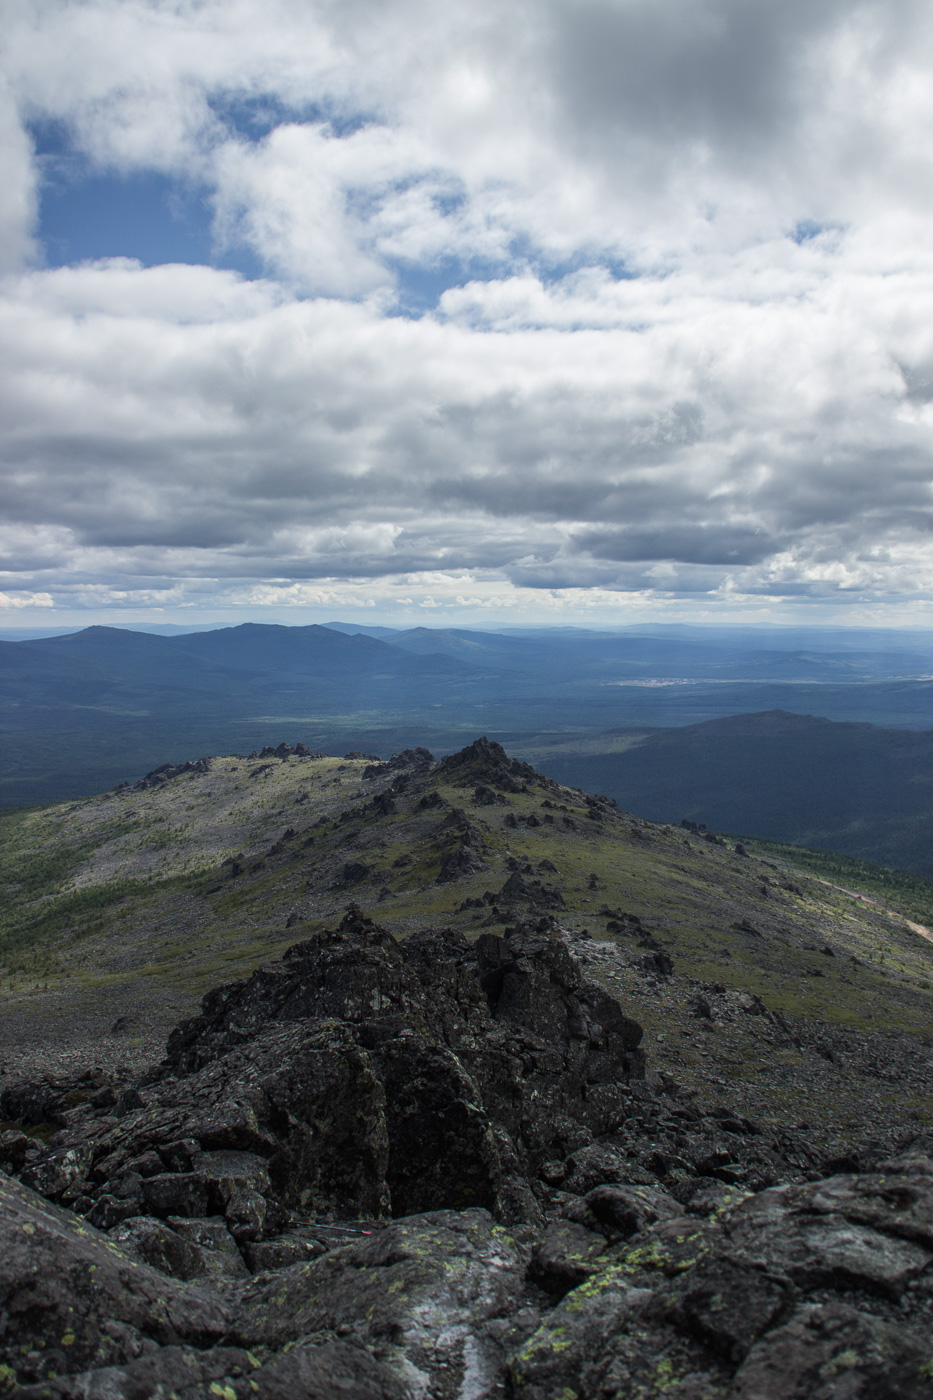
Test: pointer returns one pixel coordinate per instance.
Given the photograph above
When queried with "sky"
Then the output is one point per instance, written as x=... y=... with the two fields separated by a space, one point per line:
x=490 y=312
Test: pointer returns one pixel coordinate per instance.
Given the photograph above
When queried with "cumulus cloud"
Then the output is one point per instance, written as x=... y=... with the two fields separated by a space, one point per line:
x=685 y=347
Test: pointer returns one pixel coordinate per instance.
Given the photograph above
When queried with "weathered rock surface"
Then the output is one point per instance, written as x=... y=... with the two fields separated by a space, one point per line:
x=356 y=1077
x=784 y=1296
x=788 y=1295
x=435 y=1169
x=167 y=771
x=485 y=764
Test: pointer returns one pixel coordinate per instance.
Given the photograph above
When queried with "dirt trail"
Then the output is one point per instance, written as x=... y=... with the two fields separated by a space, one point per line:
x=922 y=929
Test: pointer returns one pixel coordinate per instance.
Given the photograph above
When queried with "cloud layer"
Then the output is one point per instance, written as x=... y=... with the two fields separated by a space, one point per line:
x=683 y=342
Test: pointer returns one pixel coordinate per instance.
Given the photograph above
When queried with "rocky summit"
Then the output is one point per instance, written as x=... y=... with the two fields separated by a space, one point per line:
x=516 y=1097
x=435 y=1168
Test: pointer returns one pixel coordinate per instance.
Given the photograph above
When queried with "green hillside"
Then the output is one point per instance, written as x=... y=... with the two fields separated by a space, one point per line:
x=122 y=909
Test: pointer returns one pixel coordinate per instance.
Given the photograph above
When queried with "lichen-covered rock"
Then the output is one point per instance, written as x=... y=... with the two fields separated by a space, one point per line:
x=814 y=1291
x=72 y=1300
x=835 y=1352
x=809 y=1291
x=328 y=1370
x=565 y=1256
x=566 y=1228
x=426 y=1292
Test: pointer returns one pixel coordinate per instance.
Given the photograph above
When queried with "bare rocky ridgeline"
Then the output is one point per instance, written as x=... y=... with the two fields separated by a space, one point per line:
x=456 y=1166
x=226 y=1225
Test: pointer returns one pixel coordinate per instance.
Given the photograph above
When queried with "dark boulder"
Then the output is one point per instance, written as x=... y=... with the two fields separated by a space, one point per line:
x=485 y=796
x=359 y=1077
x=354 y=872
x=531 y=892
x=460 y=862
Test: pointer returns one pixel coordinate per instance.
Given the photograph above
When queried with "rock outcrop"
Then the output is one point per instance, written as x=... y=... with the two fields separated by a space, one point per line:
x=435 y=1169
x=167 y=771
x=485 y=764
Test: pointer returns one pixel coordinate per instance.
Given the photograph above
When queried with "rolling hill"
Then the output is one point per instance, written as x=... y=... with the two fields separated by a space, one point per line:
x=858 y=789
x=81 y=712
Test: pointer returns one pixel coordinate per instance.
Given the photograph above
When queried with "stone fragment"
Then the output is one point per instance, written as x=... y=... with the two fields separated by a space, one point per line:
x=177 y=1193
x=153 y=1242
x=219 y=1253
x=565 y=1256
x=729 y=1307
x=282 y=1252
x=624 y=1210
x=835 y=1352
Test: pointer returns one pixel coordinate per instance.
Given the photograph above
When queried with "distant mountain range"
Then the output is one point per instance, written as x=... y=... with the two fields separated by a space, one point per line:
x=818 y=737
x=853 y=788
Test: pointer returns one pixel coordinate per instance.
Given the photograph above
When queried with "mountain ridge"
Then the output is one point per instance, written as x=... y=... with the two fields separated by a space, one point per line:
x=513 y=1095
x=81 y=711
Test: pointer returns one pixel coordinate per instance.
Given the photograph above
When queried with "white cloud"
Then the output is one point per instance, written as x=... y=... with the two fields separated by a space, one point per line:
x=751 y=414
x=615 y=127
x=17 y=601
x=17 y=182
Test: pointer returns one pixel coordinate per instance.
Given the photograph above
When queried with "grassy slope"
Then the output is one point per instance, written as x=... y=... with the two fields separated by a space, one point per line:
x=120 y=905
